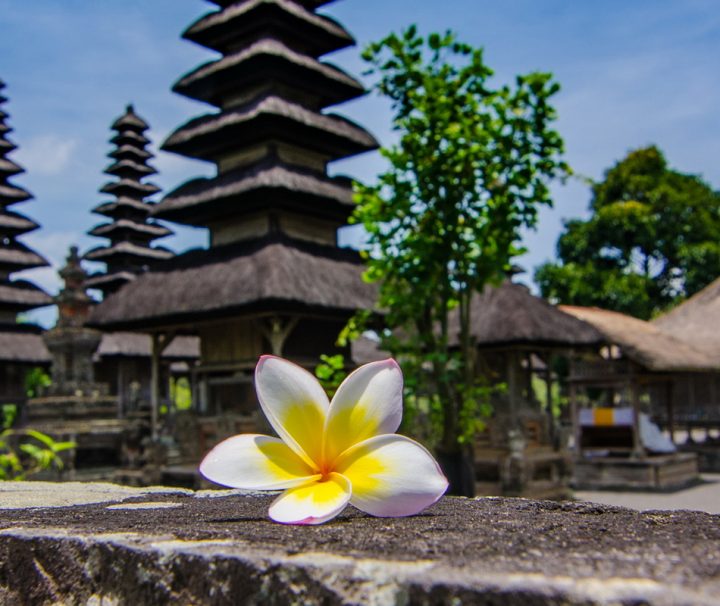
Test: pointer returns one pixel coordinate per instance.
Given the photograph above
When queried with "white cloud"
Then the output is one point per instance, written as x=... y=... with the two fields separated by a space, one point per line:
x=47 y=154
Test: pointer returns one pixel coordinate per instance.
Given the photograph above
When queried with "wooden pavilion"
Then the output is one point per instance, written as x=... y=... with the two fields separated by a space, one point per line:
x=635 y=378
x=273 y=279
x=697 y=323
x=519 y=337
x=21 y=346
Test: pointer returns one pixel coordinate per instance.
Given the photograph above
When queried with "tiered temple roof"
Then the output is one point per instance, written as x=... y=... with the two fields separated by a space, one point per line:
x=16 y=296
x=130 y=230
x=272 y=210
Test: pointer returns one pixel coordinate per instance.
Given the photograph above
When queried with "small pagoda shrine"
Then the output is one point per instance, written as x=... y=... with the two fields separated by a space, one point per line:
x=129 y=230
x=76 y=407
x=21 y=346
x=273 y=279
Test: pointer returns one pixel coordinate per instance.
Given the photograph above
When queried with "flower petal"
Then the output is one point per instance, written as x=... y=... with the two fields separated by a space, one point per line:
x=255 y=463
x=294 y=403
x=367 y=404
x=392 y=476
x=313 y=503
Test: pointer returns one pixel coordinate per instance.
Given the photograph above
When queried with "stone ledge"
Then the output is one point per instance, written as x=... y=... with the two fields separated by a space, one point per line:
x=175 y=547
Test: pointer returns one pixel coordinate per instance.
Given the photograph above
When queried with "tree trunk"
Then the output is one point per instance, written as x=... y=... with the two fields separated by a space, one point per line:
x=458 y=467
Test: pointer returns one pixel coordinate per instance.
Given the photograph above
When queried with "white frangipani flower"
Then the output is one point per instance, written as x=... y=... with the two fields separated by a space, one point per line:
x=330 y=454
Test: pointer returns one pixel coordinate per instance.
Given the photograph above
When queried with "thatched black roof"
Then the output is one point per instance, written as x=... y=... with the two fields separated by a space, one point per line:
x=309 y=4
x=644 y=342
x=130 y=121
x=12 y=194
x=696 y=321
x=280 y=19
x=126 y=226
x=268 y=61
x=127 y=250
x=274 y=275
x=21 y=295
x=13 y=223
x=259 y=187
x=265 y=118
x=16 y=257
x=510 y=314
x=109 y=281
x=8 y=168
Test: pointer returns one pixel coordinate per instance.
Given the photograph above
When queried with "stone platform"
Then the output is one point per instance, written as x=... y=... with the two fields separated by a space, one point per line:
x=103 y=544
x=659 y=472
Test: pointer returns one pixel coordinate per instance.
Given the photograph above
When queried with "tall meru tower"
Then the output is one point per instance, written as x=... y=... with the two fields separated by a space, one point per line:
x=21 y=346
x=273 y=279
x=129 y=230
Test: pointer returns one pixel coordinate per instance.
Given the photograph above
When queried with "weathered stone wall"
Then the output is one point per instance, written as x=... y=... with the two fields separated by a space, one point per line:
x=98 y=544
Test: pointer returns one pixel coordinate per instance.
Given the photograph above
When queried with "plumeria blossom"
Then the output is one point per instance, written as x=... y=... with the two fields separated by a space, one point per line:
x=329 y=454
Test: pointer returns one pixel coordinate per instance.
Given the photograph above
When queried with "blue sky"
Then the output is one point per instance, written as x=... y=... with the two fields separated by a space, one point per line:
x=633 y=72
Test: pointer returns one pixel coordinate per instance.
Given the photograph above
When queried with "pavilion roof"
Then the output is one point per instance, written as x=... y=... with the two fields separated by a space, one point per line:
x=136 y=345
x=510 y=314
x=643 y=342
x=23 y=344
x=696 y=321
x=271 y=274
x=130 y=121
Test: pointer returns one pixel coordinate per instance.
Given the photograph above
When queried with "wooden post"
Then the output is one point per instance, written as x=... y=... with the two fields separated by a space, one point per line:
x=575 y=420
x=155 y=384
x=277 y=333
x=638 y=450
x=670 y=409
x=548 y=399
x=160 y=341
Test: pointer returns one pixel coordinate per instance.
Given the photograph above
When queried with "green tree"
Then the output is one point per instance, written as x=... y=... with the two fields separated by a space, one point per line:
x=470 y=170
x=653 y=238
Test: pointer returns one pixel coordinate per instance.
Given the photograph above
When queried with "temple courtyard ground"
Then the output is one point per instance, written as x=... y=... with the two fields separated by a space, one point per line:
x=702 y=497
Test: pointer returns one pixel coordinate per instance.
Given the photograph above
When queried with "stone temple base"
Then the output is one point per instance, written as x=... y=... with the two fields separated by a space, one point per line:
x=104 y=544
x=663 y=472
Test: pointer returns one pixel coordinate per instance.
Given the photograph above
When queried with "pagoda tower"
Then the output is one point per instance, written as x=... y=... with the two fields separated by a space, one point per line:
x=273 y=279
x=21 y=347
x=129 y=230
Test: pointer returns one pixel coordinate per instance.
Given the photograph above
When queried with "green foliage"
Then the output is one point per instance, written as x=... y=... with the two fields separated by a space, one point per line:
x=331 y=372
x=36 y=380
x=27 y=452
x=653 y=238
x=181 y=394
x=471 y=169
x=8 y=414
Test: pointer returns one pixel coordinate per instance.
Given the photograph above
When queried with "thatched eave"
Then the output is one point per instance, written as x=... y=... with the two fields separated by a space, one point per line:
x=22 y=346
x=268 y=61
x=209 y=137
x=284 y=20
x=206 y=199
x=14 y=223
x=696 y=321
x=125 y=226
x=644 y=343
x=251 y=277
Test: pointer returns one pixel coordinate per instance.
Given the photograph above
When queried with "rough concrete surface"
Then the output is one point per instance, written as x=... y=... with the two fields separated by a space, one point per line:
x=194 y=549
